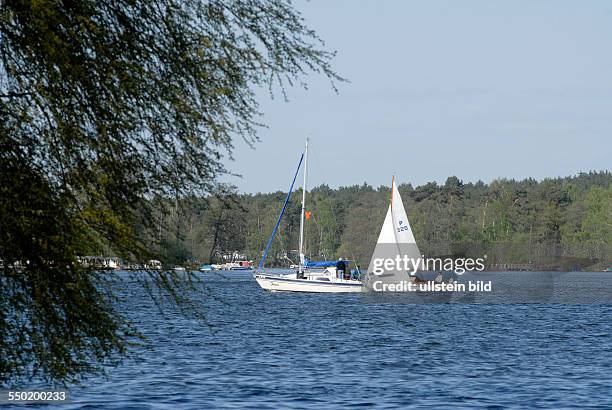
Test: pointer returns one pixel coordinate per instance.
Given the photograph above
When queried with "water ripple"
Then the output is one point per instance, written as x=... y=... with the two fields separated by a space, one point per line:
x=319 y=351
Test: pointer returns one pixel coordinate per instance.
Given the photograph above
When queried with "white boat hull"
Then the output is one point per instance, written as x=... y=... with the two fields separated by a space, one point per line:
x=280 y=283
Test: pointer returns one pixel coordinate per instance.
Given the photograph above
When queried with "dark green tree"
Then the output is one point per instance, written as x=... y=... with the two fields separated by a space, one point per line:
x=108 y=108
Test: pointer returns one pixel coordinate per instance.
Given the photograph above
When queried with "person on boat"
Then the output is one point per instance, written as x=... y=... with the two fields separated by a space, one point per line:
x=347 y=271
x=356 y=273
x=341 y=268
x=416 y=279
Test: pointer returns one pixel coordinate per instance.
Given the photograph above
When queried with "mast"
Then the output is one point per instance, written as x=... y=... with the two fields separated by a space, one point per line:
x=301 y=266
x=392 y=183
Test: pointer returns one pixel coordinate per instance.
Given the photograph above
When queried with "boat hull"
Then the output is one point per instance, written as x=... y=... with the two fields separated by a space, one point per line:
x=278 y=283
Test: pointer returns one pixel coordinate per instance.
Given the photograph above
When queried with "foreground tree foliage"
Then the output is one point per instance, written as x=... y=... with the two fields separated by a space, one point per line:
x=108 y=108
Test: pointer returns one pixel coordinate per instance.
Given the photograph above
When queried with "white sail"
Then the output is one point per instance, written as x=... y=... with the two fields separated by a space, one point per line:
x=396 y=228
x=396 y=238
x=402 y=226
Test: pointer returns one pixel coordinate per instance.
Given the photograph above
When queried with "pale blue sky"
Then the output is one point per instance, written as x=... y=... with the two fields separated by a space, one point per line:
x=478 y=89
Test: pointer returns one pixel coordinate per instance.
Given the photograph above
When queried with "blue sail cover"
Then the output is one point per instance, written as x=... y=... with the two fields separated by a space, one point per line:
x=321 y=264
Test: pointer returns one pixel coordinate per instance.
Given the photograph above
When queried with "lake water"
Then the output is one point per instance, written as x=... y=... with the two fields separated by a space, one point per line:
x=280 y=350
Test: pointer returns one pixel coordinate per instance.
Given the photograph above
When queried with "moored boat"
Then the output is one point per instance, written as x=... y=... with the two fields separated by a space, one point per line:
x=239 y=265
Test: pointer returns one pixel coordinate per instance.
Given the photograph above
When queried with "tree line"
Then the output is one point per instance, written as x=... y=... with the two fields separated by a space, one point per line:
x=559 y=223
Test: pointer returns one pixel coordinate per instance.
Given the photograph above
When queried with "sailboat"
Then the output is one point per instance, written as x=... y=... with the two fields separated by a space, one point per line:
x=311 y=276
x=395 y=240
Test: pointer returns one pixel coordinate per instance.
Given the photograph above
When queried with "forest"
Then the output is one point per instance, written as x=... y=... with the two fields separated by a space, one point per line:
x=561 y=223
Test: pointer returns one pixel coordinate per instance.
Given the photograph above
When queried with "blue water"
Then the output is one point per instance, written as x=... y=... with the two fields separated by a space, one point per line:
x=280 y=350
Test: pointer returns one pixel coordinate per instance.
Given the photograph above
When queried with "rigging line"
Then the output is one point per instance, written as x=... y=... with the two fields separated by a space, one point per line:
x=265 y=254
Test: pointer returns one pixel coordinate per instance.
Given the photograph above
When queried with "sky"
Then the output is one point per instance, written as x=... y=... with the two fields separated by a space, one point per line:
x=477 y=89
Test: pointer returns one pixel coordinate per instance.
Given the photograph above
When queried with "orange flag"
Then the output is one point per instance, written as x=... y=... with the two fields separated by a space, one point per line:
x=307 y=214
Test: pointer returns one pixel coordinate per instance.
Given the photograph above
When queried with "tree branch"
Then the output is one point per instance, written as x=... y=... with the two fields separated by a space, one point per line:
x=14 y=95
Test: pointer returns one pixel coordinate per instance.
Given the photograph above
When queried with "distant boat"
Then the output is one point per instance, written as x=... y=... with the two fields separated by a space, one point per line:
x=179 y=269
x=153 y=264
x=236 y=265
x=320 y=277
x=100 y=262
x=240 y=265
x=206 y=267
